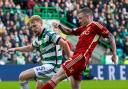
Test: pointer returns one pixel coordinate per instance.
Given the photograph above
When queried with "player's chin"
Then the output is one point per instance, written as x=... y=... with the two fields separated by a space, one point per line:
x=81 y=24
x=37 y=34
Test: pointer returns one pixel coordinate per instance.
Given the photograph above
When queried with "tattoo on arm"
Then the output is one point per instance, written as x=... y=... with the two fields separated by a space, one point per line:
x=112 y=42
x=111 y=37
x=65 y=30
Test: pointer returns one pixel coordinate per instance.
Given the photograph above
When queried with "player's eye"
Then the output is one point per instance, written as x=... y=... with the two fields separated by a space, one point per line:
x=32 y=26
x=79 y=18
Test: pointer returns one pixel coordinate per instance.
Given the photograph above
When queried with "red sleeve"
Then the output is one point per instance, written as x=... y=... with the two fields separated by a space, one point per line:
x=77 y=31
x=101 y=30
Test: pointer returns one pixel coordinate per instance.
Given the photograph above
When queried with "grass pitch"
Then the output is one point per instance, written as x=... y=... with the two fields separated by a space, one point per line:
x=89 y=84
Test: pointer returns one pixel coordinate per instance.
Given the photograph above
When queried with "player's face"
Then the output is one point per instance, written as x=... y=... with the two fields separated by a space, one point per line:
x=83 y=19
x=36 y=27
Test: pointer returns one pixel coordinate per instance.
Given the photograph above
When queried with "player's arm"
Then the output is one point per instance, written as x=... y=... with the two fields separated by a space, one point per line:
x=28 y=48
x=63 y=29
x=103 y=31
x=55 y=38
x=65 y=47
x=113 y=44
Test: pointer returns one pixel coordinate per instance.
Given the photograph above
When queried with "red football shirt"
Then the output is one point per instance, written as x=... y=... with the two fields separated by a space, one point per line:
x=88 y=37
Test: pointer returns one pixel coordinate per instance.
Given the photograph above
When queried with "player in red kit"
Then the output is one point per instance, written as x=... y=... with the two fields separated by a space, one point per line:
x=89 y=34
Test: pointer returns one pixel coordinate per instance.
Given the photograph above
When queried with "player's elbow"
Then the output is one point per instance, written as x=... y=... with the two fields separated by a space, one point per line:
x=64 y=44
x=111 y=37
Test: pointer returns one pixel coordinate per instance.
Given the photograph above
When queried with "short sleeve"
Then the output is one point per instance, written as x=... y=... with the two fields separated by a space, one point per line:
x=77 y=31
x=101 y=30
x=54 y=37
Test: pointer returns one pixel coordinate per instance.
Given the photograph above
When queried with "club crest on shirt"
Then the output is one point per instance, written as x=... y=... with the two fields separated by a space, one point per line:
x=87 y=31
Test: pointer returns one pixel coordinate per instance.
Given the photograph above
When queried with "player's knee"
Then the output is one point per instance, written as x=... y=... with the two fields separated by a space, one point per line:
x=38 y=87
x=22 y=77
x=38 y=84
x=55 y=78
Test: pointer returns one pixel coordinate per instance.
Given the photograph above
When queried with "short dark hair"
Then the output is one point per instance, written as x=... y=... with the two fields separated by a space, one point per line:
x=86 y=10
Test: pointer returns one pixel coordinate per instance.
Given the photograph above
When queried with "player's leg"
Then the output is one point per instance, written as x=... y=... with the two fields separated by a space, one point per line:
x=68 y=68
x=25 y=76
x=59 y=76
x=78 y=68
x=75 y=83
x=39 y=83
x=43 y=74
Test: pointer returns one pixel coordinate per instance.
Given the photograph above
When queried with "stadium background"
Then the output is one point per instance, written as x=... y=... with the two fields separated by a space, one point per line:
x=15 y=32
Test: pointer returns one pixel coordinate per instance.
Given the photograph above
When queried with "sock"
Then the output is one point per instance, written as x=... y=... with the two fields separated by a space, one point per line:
x=48 y=85
x=24 y=85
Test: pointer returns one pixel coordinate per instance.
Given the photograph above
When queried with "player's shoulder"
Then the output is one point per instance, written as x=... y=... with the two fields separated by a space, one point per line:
x=49 y=32
x=97 y=24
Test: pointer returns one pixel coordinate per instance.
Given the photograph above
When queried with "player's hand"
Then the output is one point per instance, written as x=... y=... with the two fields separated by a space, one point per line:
x=3 y=50
x=56 y=24
x=11 y=50
x=114 y=58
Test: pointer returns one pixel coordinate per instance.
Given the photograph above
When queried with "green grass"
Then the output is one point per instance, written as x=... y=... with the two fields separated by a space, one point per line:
x=90 y=84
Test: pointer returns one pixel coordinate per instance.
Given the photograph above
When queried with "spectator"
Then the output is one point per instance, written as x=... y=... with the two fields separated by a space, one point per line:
x=9 y=4
x=72 y=17
x=81 y=3
x=69 y=5
x=20 y=59
x=126 y=46
x=1 y=3
x=62 y=9
x=30 y=5
x=2 y=27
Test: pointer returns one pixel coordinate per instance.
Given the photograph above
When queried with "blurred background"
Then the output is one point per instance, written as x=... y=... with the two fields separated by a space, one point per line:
x=15 y=32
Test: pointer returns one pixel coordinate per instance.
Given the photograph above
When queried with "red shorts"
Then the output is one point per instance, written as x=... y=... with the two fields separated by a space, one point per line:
x=75 y=66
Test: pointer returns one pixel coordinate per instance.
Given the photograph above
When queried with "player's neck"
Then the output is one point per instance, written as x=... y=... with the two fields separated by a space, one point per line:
x=86 y=24
x=42 y=30
x=89 y=22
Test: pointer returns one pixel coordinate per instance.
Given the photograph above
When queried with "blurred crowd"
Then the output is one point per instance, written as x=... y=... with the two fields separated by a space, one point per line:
x=15 y=32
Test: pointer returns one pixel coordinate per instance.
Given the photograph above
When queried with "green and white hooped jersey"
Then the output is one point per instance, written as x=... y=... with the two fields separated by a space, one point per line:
x=46 y=43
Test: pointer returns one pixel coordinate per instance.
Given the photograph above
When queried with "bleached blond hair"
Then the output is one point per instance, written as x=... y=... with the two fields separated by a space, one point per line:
x=35 y=18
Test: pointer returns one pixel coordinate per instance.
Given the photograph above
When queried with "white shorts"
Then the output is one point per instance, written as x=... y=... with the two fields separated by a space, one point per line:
x=44 y=72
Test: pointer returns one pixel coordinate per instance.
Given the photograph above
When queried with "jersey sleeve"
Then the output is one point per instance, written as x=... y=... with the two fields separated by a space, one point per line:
x=101 y=30
x=77 y=31
x=54 y=37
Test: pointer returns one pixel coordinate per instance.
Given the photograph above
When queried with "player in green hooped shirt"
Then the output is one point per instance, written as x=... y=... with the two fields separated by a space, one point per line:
x=49 y=44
